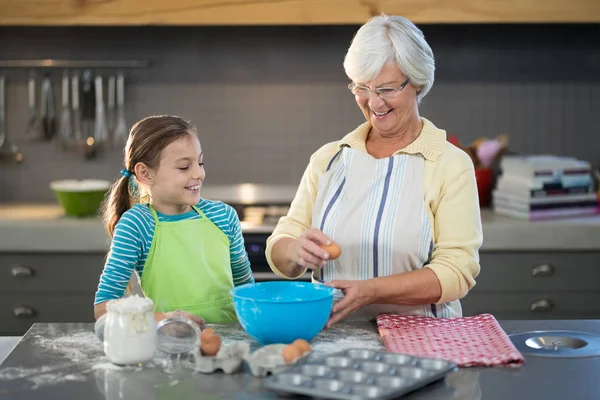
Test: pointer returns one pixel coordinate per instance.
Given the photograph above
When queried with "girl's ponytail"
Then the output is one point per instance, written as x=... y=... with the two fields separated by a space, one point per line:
x=119 y=200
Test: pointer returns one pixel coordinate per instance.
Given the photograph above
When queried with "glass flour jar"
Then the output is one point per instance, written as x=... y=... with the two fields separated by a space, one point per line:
x=129 y=330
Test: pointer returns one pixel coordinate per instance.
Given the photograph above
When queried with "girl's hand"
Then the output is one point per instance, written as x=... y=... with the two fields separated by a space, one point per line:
x=307 y=252
x=158 y=316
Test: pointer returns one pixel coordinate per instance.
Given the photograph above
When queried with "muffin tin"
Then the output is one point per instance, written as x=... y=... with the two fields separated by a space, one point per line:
x=359 y=374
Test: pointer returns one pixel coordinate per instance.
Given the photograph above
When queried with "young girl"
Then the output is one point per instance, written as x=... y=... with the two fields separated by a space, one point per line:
x=189 y=252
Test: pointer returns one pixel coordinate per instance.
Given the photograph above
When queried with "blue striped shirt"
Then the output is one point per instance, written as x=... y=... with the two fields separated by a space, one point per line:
x=133 y=237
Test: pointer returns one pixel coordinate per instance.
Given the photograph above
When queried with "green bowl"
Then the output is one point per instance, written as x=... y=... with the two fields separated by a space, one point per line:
x=80 y=198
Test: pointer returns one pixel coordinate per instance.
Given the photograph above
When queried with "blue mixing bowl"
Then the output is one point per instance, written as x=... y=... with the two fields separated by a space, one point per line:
x=282 y=311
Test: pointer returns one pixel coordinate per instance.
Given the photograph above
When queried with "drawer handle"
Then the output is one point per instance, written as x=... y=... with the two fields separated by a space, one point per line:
x=542 y=270
x=541 y=306
x=22 y=271
x=23 y=312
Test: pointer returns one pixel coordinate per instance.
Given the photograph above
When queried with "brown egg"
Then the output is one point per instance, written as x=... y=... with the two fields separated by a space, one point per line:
x=302 y=345
x=207 y=332
x=291 y=353
x=210 y=343
x=333 y=249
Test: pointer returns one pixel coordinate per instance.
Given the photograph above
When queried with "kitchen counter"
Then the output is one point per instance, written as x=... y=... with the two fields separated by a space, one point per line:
x=43 y=228
x=7 y=344
x=65 y=361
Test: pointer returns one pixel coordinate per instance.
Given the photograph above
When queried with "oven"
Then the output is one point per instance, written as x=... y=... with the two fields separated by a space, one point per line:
x=255 y=247
x=259 y=208
x=256 y=244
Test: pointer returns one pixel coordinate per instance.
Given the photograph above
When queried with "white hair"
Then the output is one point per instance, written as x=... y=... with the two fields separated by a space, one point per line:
x=384 y=39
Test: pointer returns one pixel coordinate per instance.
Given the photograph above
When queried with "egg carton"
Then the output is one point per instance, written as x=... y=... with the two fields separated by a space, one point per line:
x=359 y=374
x=268 y=360
x=229 y=359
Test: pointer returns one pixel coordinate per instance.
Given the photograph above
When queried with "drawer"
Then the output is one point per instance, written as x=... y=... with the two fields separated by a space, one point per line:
x=50 y=272
x=19 y=311
x=563 y=305
x=548 y=271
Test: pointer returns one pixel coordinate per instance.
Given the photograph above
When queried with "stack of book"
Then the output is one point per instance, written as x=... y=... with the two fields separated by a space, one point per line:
x=542 y=187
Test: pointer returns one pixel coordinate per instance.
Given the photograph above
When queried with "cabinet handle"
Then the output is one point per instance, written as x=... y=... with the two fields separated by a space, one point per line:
x=22 y=271
x=23 y=312
x=541 y=306
x=542 y=270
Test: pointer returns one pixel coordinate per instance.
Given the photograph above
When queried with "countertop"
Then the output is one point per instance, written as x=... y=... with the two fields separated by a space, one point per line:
x=44 y=228
x=65 y=361
x=7 y=344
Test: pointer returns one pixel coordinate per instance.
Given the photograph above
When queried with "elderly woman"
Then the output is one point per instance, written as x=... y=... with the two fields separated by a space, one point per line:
x=399 y=199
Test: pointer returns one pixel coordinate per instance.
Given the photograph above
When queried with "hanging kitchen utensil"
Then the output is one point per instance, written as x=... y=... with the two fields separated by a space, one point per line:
x=2 y=111
x=77 y=132
x=100 y=126
x=83 y=101
x=8 y=151
x=65 y=126
x=48 y=113
x=88 y=105
x=34 y=128
x=121 y=130
x=110 y=106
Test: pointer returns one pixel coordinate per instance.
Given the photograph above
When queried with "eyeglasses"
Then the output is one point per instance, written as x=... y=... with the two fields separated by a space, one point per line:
x=383 y=92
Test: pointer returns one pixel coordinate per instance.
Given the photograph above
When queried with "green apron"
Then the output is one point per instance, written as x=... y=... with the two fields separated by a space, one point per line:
x=188 y=268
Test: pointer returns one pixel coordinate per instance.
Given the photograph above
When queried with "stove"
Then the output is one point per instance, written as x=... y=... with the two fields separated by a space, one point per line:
x=259 y=208
x=258 y=222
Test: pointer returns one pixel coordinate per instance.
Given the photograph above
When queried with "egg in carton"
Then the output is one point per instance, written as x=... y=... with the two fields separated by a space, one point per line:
x=211 y=356
x=229 y=359
x=273 y=358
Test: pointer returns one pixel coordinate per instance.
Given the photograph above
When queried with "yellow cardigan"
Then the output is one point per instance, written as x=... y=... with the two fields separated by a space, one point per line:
x=450 y=196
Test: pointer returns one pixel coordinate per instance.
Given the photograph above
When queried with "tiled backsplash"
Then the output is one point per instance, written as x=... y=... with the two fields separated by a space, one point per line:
x=265 y=98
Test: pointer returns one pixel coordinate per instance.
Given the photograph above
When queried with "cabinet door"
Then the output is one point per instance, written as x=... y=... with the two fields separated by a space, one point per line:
x=18 y=311
x=59 y=273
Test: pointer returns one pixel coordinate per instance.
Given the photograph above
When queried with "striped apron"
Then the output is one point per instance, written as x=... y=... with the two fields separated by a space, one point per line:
x=375 y=210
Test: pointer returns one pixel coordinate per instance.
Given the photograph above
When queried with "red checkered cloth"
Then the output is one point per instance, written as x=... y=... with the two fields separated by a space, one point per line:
x=468 y=342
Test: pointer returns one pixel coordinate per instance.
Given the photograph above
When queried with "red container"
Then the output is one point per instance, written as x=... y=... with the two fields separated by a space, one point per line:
x=485 y=181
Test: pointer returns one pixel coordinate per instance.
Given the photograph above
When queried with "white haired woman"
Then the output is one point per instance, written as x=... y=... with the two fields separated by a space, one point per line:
x=399 y=200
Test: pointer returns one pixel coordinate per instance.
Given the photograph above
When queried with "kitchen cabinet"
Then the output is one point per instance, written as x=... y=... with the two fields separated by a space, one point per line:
x=537 y=285
x=51 y=287
x=60 y=287
x=290 y=12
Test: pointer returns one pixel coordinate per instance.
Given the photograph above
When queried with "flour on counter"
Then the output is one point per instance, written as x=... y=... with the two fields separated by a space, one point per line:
x=73 y=355
x=11 y=373
x=53 y=378
x=342 y=337
x=107 y=365
x=42 y=376
x=72 y=358
x=79 y=347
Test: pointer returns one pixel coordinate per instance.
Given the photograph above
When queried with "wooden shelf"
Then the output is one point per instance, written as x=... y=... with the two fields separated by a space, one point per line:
x=290 y=12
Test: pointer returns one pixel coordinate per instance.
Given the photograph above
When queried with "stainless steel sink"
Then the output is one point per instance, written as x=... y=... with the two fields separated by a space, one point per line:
x=557 y=343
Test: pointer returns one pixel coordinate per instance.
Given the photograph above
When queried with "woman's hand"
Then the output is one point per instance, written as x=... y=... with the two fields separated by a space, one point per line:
x=357 y=294
x=307 y=252
x=158 y=316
